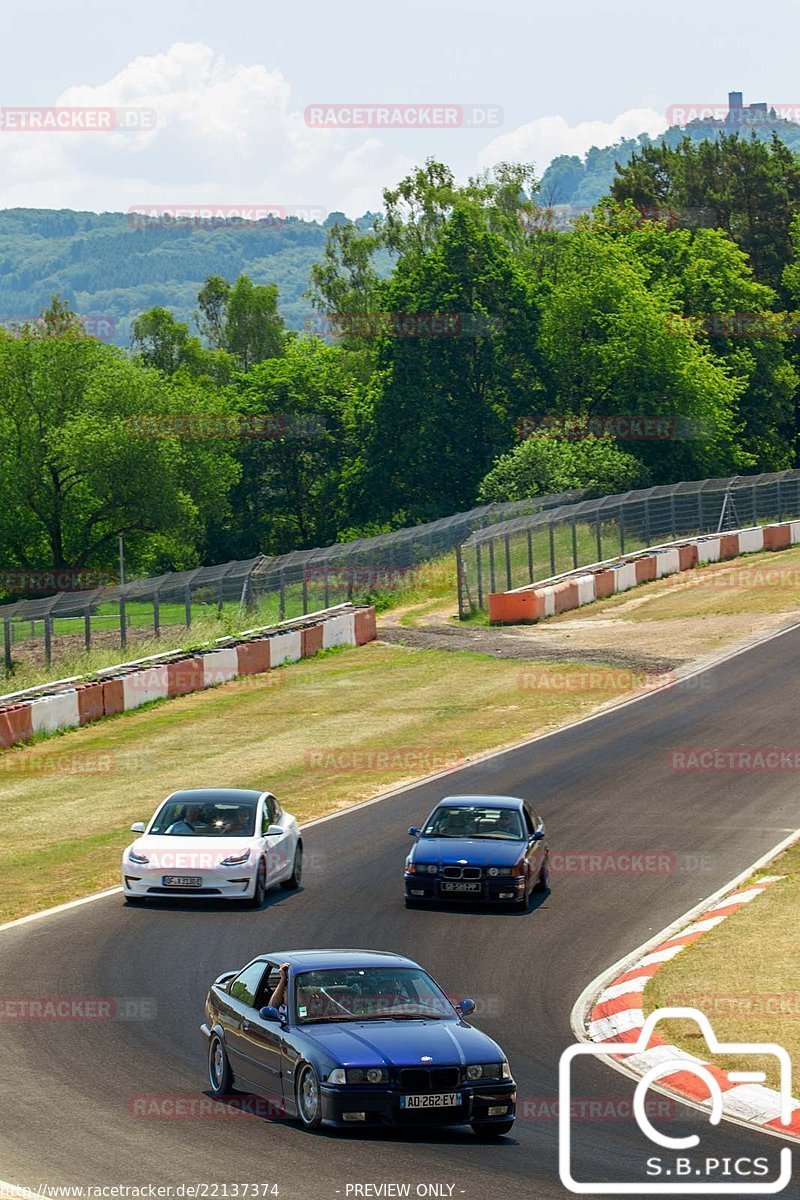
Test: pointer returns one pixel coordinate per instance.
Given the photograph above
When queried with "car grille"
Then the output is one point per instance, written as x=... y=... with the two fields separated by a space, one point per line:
x=461 y=872
x=181 y=891
x=435 y=1079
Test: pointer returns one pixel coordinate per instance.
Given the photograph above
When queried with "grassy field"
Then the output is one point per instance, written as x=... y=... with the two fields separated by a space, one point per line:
x=311 y=731
x=744 y=975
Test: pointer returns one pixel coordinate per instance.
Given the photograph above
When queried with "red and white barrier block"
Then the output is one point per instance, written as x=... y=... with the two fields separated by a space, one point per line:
x=617 y=1015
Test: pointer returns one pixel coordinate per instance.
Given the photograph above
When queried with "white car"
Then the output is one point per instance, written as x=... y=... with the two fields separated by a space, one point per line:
x=228 y=843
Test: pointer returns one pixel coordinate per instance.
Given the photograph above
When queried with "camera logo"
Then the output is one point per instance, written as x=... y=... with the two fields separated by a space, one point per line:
x=669 y=1168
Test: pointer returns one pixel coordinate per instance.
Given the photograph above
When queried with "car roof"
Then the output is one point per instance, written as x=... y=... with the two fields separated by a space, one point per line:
x=222 y=795
x=320 y=959
x=488 y=801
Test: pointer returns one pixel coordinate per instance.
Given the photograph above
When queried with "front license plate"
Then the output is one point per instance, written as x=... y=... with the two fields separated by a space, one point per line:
x=461 y=887
x=443 y=1100
x=183 y=881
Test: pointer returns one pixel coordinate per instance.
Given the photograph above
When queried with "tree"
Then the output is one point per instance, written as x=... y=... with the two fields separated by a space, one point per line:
x=543 y=464
x=242 y=320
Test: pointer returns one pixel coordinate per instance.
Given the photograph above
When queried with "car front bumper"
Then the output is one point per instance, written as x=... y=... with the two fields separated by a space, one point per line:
x=493 y=890
x=346 y=1107
x=221 y=883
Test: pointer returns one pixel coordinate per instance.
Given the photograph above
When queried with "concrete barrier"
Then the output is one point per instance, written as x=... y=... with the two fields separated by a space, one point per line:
x=253 y=657
x=777 y=537
x=15 y=725
x=708 y=549
x=645 y=568
x=219 y=666
x=365 y=626
x=142 y=687
x=728 y=546
x=624 y=576
x=310 y=641
x=688 y=556
x=113 y=696
x=339 y=631
x=794 y=535
x=565 y=595
x=586 y=592
x=184 y=675
x=751 y=540
x=59 y=711
x=604 y=584
x=286 y=647
x=90 y=702
x=668 y=562
x=514 y=608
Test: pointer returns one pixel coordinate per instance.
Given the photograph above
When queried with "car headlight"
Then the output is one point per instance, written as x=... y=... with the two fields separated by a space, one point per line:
x=519 y=868
x=431 y=868
x=235 y=860
x=411 y=868
x=141 y=860
x=359 y=1075
x=489 y=1071
x=493 y=871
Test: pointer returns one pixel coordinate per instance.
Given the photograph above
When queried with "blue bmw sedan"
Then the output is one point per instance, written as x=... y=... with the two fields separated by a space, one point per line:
x=359 y=1037
x=480 y=849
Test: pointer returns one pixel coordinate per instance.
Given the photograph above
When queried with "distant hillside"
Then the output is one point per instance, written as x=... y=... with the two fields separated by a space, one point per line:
x=581 y=182
x=106 y=266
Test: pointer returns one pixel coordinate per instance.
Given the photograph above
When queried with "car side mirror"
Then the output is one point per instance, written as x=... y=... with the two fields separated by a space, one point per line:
x=274 y=831
x=138 y=827
x=268 y=1013
x=465 y=1008
x=538 y=835
x=414 y=832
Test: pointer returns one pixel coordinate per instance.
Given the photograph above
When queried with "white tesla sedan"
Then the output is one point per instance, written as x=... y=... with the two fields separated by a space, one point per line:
x=229 y=843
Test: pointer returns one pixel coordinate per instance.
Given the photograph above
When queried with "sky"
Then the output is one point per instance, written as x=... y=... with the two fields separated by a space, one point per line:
x=252 y=103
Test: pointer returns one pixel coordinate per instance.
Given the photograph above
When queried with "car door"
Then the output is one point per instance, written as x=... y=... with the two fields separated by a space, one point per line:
x=243 y=993
x=279 y=849
x=263 y=1042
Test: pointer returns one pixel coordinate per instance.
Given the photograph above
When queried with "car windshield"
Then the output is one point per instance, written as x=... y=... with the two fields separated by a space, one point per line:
x=368 y=994
x=474 y=821
x=211 y=819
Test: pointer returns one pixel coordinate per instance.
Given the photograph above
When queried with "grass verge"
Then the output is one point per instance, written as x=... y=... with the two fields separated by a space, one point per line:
x=744 y=975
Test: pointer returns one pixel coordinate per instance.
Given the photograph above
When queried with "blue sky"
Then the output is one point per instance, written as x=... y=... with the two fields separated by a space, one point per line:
x=229 y=83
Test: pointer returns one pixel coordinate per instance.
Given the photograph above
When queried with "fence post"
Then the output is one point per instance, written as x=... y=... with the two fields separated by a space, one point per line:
x=479 y=570
x=509 y=583
x=673 y=520
x=574 y=544
x=700 y=523
x=187 y=604
x=621 y=520
x=780 y=502
x=647 y=521
x=327 y=588
x=87 y=629
x=123 y=632
x=7 y=645
x=156 y=615
x=599 y=536
x=48 y=641
x=305 y=590
x=459 y=581
x=492 y=584
x=530 y=554
x=755 y=505
x=552 y=550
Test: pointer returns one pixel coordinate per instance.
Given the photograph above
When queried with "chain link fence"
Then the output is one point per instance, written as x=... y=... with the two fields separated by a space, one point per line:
x=531 y=547
x=260 y=590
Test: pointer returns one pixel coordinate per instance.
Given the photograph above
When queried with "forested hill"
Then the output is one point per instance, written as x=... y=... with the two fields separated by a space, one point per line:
x=110 y=266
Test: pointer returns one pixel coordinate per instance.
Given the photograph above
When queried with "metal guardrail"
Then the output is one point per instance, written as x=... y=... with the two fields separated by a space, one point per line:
x=528 y=548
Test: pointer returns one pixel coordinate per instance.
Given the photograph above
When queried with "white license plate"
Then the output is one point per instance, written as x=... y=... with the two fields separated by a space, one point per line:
x=461 y=887
x=184 y=881
x=443 y=1100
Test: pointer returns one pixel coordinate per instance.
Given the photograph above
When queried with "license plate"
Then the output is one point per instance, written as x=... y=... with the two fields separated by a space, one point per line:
x=183 y=881
x=443 y=1100
x=461 y=887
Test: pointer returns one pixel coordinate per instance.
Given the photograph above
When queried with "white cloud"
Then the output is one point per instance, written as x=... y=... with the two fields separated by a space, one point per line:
x=542 y=140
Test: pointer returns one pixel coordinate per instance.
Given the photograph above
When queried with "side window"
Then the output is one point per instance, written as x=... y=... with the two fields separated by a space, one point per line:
x=278 y=810
x=270 y=983
x=530 y=821
x=269 y=812
x=245 y=986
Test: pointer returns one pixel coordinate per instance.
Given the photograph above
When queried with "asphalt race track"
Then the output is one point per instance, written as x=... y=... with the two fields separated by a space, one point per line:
x=604 y=785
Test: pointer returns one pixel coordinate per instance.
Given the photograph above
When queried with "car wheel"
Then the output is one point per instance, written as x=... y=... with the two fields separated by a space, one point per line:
x=487 y=1131
x=220 y=1075
x=309 y=1097
x=260 y=893
x=297 y=870
x=543 y=882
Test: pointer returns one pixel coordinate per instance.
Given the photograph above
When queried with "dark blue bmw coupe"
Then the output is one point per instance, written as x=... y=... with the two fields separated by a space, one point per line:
x=481 y=849
x=360 y=1037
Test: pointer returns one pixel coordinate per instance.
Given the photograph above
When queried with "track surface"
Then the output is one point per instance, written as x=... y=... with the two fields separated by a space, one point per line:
x=603 y=785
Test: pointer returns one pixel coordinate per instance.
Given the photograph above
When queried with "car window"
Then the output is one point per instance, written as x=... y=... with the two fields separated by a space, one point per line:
x=269 y=812
x=245 y=986
x=474 y=821
x=530 y=823
x=209 y=819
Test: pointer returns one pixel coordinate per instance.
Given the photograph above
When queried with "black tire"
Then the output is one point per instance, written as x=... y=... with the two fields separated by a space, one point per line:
x=296 y=876
x=260 y=893
x=220 y=1076
x=308 y=1097
x=543 y=882
x=486 y=1131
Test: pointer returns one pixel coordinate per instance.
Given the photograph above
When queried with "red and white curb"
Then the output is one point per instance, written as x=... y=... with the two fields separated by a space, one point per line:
x=617 y=1015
